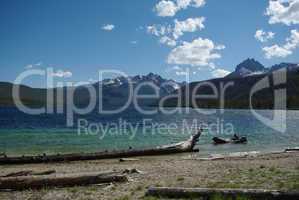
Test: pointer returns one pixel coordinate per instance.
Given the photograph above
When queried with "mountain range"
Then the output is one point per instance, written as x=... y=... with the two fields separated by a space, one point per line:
x=111 y=92
x=115 y=91
x=251 y=67
x=246 y=75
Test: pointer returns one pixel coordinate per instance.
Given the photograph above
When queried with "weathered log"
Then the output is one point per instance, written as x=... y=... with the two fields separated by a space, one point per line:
x=38 y=182
x=211 y=159
x=295 y=149
x=132 y=171
x=182 y=147
x=48 y=172
x=128 y=160
x=15 y=174
x=28 y=173
x=224 y=193
x=2 y=154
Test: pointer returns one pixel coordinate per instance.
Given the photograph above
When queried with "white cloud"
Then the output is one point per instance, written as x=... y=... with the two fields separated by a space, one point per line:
x=162 y=32
x=168 y=41
x=219 y=73
x=219 y=47
x=153 y=30
x=168 y=8
x=134 y=42
x=169 y=35
x=283 y=11
x=189 y=25
x=62 y=74
x=183 y=3
x=108 y=27
x=276 y=51
x=177 y=70
x=158 y=30
x=199 y=52
x=263 y=36
x=198 y=3
x=291 y=44
x=293 y=40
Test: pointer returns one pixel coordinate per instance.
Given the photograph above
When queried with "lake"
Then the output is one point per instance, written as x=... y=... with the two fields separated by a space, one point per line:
x=22 y=134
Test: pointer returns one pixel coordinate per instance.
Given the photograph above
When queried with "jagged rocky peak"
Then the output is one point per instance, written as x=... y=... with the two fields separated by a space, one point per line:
x=153 y=77
x=288 y=66
x=248 y=67
x=168 y=85
x=250 y=64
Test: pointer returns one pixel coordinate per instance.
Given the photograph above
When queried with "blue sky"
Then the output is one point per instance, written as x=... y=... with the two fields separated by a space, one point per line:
x=72 y=36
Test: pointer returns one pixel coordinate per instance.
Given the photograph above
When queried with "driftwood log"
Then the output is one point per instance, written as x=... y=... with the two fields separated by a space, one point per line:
x=28 y=173
x=296 y=149
x=38 y=182
x=16 y=174
x=128 y=160
x=224 y=193
x=182 y=147
x=43 y=173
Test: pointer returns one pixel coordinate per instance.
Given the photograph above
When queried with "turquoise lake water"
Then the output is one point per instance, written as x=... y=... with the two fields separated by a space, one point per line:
x=22 y=134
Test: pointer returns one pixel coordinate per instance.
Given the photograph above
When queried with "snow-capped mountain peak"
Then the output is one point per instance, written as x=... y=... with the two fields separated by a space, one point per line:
x=251 y=67
x=165 y=84
x=248 y=67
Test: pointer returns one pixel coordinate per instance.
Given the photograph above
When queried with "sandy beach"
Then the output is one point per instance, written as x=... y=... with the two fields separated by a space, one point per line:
x=267 y=171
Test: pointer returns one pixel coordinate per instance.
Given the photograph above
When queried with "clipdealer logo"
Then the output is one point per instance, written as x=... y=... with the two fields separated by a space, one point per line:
x=279 y=80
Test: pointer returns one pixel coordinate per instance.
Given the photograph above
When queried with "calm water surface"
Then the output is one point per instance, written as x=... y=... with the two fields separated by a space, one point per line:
x=26 y=134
